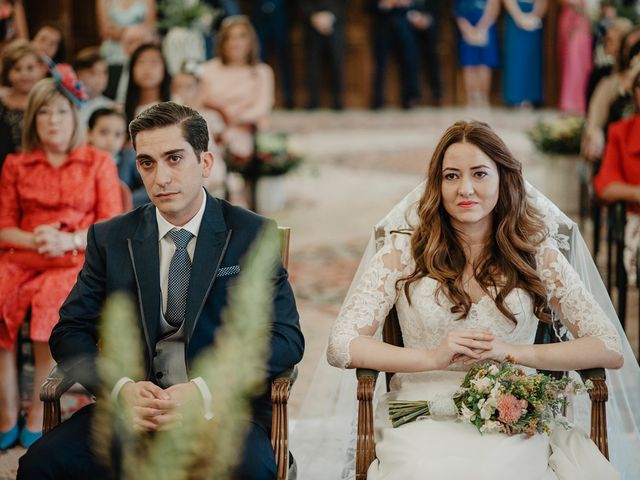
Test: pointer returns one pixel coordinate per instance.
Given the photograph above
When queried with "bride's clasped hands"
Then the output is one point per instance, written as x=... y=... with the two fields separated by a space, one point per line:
x=463 y=345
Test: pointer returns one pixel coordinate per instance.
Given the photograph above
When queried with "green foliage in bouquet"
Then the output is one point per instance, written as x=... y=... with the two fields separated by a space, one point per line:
x=499 y=397
x=274 y=156
x=192 y=14
x=559 y=136
x=234 y=368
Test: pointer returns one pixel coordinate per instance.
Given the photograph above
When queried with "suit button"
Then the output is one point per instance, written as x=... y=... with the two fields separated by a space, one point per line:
x=159 y=375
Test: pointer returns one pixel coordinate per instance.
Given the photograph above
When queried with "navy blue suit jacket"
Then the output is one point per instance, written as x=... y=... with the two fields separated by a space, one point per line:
x=123 y=255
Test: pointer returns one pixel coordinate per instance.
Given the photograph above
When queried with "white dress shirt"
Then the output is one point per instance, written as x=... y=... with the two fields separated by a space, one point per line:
x=166 y=250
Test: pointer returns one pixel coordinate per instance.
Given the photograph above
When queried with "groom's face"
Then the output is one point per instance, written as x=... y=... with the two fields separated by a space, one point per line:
x=171 y=172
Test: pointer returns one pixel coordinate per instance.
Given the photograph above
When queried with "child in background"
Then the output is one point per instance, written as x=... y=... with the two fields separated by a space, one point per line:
x=93 y=71
x=149 y=80
x=108 y=132
x=185 y=89
x=49 y=40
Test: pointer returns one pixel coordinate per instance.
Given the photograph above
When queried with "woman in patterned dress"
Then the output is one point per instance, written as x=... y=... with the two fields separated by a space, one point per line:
x=51 y=193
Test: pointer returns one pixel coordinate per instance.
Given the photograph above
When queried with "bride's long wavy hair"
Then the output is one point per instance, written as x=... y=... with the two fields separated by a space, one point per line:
x=508 y=260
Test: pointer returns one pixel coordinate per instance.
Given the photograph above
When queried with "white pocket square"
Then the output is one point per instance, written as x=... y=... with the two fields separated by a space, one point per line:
x=226 y=271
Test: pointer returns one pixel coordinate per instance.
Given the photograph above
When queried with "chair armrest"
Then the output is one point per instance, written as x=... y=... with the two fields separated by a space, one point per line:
x=52 y=389
x=599 y=395
x=290 y=375
x=592 y=374
x=366 y=373
x=280 y=388
x=55 y=385
x=366 y=446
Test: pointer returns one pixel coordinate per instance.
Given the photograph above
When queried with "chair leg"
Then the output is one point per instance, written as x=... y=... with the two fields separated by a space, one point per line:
x=596 y=216
x=280 y=426
x=619 y=222
x=599 y=396
x=622 y=284
x=583 y=194
x=366 y=447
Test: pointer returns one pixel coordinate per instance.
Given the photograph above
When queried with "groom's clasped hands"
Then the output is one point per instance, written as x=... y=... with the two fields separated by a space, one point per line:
x=153 y=408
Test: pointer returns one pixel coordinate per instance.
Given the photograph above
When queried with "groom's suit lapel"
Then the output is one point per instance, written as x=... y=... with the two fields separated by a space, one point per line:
x=212 y=243
x=145 y=259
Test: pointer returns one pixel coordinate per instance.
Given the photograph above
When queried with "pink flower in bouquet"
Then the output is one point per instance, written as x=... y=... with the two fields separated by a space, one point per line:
x=510 y=408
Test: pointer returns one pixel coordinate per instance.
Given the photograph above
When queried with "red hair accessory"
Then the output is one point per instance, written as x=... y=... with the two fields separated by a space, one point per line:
x=67 y=81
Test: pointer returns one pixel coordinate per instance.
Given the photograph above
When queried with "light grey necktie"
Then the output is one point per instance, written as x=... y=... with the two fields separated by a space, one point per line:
x=179 y=274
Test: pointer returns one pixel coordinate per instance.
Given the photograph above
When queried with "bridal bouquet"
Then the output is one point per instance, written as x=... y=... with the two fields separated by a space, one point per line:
x=497 y=398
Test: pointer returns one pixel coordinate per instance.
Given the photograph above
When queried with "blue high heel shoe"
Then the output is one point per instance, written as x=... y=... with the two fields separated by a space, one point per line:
x=9 y=438
x=28 y=438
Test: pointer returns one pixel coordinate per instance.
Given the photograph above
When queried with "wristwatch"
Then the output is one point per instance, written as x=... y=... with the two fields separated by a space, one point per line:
x=77 y=240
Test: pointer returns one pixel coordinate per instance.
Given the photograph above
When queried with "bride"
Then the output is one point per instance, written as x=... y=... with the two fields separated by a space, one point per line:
x=471 y=277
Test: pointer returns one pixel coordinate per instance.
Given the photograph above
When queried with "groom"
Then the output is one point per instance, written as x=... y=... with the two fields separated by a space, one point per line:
x=178 y=256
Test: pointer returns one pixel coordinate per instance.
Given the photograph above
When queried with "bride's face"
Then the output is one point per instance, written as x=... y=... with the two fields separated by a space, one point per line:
x=470 y=186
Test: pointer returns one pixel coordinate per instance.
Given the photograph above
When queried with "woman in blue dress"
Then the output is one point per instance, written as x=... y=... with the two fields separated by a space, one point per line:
x=478 y=47
x=523 y=52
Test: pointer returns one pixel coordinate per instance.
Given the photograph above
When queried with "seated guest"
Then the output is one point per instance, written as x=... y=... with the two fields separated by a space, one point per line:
x=149 y=80
x=606 y=58
x=108 y=132
x=185 y=89
x=52 y=193
x=619 y=178
x=609 y=100
x=20 y=69
x=49 y=40
x=92 y=70
x=237 y=85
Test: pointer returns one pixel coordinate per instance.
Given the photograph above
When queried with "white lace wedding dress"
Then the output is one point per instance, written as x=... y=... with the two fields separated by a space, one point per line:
x=446 y=449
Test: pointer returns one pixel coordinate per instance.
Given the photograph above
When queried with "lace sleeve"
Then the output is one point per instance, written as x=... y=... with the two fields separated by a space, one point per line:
x=364 y=311
x=571 y=301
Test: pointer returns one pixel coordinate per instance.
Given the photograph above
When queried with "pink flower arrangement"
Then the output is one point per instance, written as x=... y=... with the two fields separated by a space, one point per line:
x=510 y=408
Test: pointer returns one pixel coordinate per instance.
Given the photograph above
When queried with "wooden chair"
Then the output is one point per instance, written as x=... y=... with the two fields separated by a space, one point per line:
x=616 y=272
x=58 y=383
x=392 y=334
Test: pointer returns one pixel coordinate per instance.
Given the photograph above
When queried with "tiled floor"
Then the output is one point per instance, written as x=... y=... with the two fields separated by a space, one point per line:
x=358 y=165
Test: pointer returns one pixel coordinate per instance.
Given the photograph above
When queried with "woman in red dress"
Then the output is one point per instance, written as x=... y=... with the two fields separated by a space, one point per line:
x=619 y=178
x=51 y=193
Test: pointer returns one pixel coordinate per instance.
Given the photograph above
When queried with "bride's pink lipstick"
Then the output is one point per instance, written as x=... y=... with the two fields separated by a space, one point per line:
x=467 y=204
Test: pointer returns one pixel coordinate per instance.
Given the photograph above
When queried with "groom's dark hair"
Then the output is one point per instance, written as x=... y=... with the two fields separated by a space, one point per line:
x=165 y=114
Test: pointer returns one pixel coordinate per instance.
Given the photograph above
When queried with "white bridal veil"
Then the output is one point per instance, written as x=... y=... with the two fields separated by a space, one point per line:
x=623 y=406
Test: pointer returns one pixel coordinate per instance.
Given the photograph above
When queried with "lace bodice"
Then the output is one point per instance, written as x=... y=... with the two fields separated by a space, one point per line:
x=427 y=320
